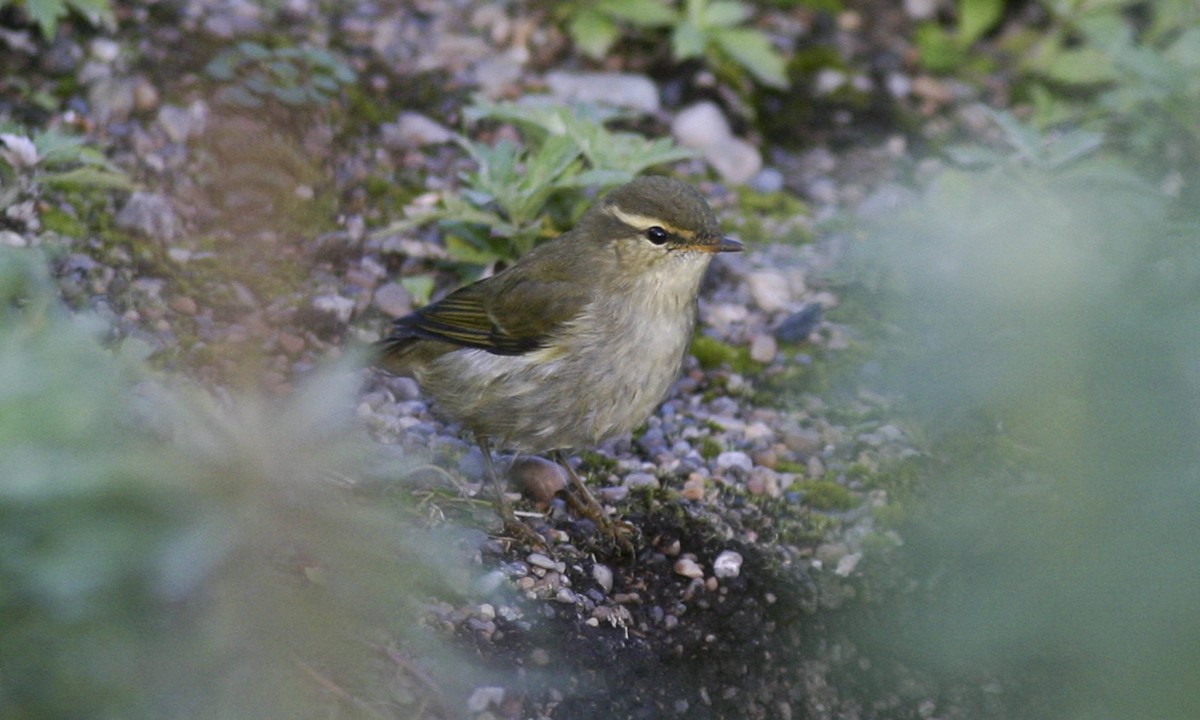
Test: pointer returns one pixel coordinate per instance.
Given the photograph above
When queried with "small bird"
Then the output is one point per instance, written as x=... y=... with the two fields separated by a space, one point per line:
x=575 y=343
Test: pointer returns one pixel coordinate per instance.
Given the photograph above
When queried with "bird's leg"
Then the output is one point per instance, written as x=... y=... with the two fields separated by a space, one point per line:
x=584 y=502
x=503 y=506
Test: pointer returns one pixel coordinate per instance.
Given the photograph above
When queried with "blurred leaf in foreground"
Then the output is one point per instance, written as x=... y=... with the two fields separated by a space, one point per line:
x=1047 y=324
x=164 y=555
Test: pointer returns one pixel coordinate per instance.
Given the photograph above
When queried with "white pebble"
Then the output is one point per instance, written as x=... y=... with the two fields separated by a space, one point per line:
x=688 y=568
x=728 y=564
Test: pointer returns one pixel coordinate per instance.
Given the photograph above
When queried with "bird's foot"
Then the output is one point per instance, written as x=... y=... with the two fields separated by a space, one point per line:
x=620 y=534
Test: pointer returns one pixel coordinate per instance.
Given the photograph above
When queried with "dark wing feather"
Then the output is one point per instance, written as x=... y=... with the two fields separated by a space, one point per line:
x=505 y=315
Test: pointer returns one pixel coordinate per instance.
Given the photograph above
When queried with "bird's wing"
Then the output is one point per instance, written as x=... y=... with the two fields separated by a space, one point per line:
x=516 y=318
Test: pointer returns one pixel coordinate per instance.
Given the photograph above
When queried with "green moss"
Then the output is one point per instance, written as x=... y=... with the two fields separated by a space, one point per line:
x=710 y=448
x=63 y=223
x=712 y=354
x=788 y=466
x=826 y=495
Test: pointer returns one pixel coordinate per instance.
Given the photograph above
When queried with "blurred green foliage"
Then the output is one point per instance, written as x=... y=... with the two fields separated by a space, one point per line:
x=1129 y=69
x=1044 y=302
x=162 y=555
x=712 y=30
x=252 y=74
x=949 y=50
x=48 y=13
x=31 y=164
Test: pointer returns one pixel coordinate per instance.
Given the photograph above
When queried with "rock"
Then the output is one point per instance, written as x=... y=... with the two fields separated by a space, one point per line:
x=641 y=480
x=728 y=564
x=341 y=308
x=767 y=180
x=693 y=487
x=763 y=348
x=735 y=160
x=484 y=697
x=846 y=565
x=393 y=299
x=603 y=575
x=542 y=561
x=183 y=304
x=414 y=130
x=700 y=126
x=734 y=459
x=764 y=481
x=626 y=90
x=537 y=477
x=689 y=568
x=111 y=99
x=182 y=123
x=799 y=325
x=769 y=288
x=703 y=127
x=18 y=151
x=497 y=75
x=150 y=214
x=8 y=238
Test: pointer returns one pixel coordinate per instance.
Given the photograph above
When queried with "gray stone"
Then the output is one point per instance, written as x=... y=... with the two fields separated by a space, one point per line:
x=626 y=90
x=393 y=299
x=414 y=130
x=150 y=214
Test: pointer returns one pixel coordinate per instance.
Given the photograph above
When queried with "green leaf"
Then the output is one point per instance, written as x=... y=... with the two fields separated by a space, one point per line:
x=939 y=52
x=1083 y=66
x=976 y=17
x=420 y=287
x=642 y=13
x=724 y=13
x=687 y=41
x=593 y=33
x=462 y=250
x=46 y=13
x=87 y=176
x=753 y=50
x=1023 y=138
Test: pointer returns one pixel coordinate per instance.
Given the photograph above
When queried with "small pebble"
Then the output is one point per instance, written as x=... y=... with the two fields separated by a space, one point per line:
x=484 y=697
x=603 y=576
x=688 y=568
x=763 y=348
x=693 y=487
x=728 y=564
x=847 y=564
x=734 y=459
x=799 y=325
x=540 y=560
x=769 y=289
x=641 y=480
x=537 y=477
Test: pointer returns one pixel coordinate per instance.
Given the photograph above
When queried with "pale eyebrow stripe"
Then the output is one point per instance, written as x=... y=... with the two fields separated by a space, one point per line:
x=645 y=222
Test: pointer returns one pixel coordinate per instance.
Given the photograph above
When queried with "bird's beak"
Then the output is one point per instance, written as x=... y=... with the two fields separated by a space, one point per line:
x=722 y=245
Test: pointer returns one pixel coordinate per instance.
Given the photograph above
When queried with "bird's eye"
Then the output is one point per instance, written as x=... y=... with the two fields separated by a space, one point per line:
x=656 y=235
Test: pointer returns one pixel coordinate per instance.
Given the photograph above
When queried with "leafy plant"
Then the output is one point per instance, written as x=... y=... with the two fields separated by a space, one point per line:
x=51 y=160
x=150 y=536
x=521 y=193
x=709 y=29
x=48 y=13
x=293 y=76
x=945 y=50
x=1137 y=79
